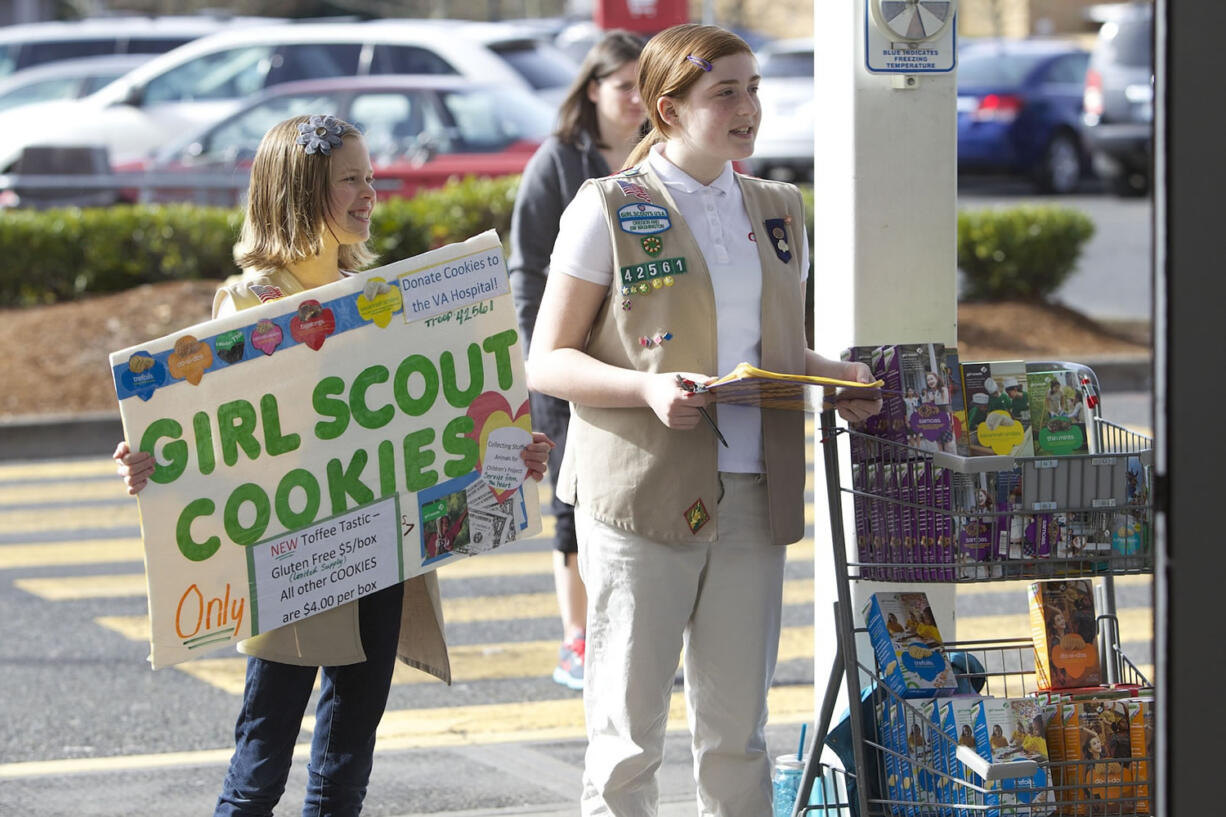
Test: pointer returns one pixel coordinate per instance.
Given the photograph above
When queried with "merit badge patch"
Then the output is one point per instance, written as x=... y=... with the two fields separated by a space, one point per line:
x=652 y=245
x=643 y=219
x=696 y=516
x=776 y=228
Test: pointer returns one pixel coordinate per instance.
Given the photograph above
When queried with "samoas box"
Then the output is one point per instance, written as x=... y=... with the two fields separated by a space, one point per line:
x=907 y=644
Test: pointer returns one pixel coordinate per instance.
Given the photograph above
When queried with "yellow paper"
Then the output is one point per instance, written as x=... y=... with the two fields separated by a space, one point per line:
x=750 y=386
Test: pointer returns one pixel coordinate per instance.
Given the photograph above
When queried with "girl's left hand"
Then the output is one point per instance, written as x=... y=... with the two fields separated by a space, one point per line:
x=857 y=410
x=536 y=455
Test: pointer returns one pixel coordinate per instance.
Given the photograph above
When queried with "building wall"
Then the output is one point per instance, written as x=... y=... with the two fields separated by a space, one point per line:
x=976 y=18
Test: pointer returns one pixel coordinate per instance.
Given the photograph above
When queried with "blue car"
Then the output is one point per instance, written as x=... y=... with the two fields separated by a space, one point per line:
x=1019 y=111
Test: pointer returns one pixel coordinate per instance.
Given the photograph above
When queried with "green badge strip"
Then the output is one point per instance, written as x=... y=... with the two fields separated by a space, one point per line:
x=652 y=269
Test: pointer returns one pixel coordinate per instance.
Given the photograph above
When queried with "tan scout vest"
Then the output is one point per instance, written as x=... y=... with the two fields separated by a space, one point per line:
x=333 y=639
x=622 y=465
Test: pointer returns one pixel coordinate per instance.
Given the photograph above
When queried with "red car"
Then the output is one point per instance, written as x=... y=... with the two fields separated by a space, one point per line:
x=421 y=131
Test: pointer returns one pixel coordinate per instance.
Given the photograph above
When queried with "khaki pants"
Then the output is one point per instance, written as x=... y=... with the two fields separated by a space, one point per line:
x=646 y=600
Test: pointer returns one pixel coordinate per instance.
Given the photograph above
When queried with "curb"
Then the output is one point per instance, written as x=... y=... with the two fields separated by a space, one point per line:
x=51 y=436
x=28 y=437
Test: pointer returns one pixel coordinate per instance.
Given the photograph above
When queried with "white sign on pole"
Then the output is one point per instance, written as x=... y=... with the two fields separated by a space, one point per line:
x=910 y=36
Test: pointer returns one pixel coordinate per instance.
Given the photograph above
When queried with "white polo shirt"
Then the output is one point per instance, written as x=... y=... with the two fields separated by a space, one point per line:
x=715 y=213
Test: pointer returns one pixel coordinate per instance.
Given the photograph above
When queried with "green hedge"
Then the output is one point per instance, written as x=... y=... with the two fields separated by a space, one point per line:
x=1022 y=252
x=57 y=255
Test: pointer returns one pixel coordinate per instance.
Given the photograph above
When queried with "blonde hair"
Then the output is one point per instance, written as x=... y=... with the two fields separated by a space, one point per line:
x=287 y=204
x=664 y=70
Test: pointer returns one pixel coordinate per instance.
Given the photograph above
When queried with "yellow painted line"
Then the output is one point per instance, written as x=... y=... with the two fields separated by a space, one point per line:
x=52 y=554
x=69 y=519
x=47 y=492
x=426 y=728
x=120 y=763
x=1136 y=624
x=1022 y=587
x=469 y=662
x=91 y=467
x=76 y=588
x=541 y=720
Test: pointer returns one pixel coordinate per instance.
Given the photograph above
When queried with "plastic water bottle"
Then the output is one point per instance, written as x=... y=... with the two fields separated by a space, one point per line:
x=786 y=783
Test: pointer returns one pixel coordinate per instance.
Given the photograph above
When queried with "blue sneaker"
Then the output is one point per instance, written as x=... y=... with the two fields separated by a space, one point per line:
x=569 y=671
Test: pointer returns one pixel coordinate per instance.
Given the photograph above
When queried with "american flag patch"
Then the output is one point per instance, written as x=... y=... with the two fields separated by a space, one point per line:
x=634 y=189
x=265 y=292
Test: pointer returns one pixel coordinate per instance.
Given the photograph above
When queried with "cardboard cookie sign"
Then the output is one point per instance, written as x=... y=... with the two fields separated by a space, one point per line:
x=365 y=451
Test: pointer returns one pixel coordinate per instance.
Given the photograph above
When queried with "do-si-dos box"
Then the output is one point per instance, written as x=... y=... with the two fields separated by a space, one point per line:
x=907 y=644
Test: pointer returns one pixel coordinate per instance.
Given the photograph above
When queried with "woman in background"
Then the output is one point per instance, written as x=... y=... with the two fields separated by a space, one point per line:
x=598 y=125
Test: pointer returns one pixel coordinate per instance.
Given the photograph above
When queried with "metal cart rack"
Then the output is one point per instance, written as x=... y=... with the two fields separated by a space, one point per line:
x=1100 y=511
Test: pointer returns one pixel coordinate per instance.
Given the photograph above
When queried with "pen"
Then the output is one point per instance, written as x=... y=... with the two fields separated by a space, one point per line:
x=694 y=388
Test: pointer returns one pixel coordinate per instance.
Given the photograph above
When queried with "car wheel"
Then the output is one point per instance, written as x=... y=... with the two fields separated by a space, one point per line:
x=1129 y=183
x=1061 y=168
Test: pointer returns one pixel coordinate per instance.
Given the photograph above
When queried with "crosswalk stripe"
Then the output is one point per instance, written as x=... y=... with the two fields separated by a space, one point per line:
x=518 y=722
x=542 y=720
x=45 y=493
x=79 y=468
x=67 y=520
x=82 y=552
x=76 y=588
x=469 y=662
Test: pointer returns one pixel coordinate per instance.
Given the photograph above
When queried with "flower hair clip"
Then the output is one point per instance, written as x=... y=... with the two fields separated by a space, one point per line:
x=699 y=61
x=320 y=134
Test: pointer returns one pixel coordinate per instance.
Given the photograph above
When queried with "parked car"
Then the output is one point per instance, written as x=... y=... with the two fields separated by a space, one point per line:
x=204 y=81
x=784 y=147
x=1119 y=100
x=1019 y=111
x=66 y=79
x=420 y=130
x=30 y=44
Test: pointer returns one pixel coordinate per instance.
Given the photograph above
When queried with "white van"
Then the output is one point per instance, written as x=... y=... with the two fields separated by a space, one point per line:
x=203 y=81
x=30 y=44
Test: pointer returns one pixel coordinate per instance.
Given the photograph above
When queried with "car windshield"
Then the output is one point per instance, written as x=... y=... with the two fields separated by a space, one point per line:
x=540 y=64
x=487 y=120
x=236 y=139
x=229 y=74
x=1129 y=42
x=8 y=58
x=990 y=67
x=788 y=64
x=56 y=88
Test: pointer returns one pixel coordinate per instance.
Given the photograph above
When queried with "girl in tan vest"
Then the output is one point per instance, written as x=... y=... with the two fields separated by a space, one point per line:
x=307 y=224
x=664 y=276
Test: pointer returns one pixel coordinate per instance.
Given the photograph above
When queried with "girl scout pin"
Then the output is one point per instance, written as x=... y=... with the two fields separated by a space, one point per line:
x=776 y=229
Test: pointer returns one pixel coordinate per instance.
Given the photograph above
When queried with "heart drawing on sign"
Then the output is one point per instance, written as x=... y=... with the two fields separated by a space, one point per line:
x=500 y=434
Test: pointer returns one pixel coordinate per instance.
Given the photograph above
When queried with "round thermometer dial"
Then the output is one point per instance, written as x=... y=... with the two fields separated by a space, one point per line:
x=912 y=21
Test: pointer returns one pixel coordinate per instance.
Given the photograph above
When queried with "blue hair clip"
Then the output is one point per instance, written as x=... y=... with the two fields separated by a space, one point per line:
x=699 y=61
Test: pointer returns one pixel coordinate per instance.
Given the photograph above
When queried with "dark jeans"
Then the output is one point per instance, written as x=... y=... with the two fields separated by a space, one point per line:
x=552 y=416
x=351 y=703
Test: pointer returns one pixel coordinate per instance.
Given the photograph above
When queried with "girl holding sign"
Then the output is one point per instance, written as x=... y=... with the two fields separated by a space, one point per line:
x=664 y=276
x=307 y=224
